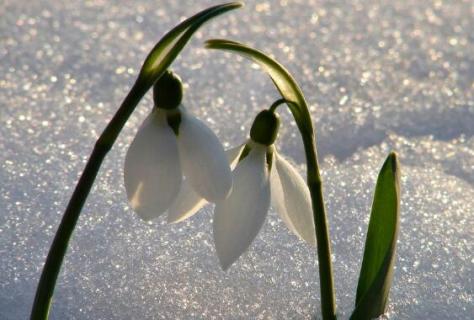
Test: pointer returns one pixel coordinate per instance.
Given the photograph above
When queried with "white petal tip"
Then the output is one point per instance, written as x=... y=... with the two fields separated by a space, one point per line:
x=146 y=215
x=226 y=263
x=225 y=267
x=173 y=220
x=186 y=205
x=221 y=194
x=145 y=218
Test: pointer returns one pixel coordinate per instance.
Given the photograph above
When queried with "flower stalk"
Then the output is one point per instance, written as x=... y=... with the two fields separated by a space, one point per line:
x=328 y=303
x=52 y=266
x=154 y=66
x=296 y=102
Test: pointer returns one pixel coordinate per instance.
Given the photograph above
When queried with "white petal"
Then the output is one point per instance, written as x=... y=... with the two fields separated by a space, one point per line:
x=188 y=202
x=238 y=218
x=292 y=200
x=233 y=155
x=152 y=171
x=203 y=159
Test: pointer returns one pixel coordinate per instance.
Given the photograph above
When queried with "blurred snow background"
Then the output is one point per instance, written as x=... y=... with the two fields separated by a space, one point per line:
x=378 y=75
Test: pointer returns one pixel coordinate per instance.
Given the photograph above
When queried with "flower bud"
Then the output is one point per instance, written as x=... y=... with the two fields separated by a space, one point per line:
x=265 y=127
x=168 y=91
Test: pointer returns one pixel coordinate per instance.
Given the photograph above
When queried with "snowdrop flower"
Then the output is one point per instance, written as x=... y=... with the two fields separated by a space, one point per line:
x=261 y=176
x=169 y=144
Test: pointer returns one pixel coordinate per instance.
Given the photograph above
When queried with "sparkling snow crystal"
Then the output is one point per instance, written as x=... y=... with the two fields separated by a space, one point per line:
x=378 y=75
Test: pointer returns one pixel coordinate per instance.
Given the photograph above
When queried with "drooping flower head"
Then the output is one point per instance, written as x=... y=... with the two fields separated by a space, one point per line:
x=170 y=144
x=261 y=177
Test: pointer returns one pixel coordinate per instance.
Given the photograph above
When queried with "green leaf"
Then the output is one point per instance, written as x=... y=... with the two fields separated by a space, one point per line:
x=379 y=255
x=168 y=48
x=282 y=79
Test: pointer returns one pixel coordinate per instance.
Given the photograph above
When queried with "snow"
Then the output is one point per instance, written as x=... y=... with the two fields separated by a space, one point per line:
x=378 y=75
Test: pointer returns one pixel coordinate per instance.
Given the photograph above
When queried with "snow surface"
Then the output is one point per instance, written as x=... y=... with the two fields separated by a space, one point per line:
x=379 y=76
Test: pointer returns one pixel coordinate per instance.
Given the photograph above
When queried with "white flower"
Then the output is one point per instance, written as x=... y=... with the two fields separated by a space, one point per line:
x=239 y=218
x=262 y=175
x=158 y=158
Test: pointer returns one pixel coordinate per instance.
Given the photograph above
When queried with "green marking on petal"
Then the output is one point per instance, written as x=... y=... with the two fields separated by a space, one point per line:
x=245 y=152
x=269 y=157
x=174 y=120
x=168 y=48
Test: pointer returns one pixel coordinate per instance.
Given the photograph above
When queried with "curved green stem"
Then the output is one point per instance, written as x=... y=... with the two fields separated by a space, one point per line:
x=328 y=303
x=45 y=290
x=276 y=104
x=156 y=63
x=328 y=300
x=294 y=97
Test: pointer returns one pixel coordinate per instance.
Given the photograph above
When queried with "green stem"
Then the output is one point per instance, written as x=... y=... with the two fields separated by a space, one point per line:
x=156 y=63
x=296 y=102
x=45 y=290
x=328 y=299
x=277 y=103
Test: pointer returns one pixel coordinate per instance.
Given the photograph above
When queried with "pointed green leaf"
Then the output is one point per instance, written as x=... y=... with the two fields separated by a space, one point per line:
x=379 y=255
x=168 y=48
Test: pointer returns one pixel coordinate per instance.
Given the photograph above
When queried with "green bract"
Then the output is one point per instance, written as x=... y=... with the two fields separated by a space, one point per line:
x=168 y=48
x=168 y=91
x=265 y=127
x=379 y=256
x=283 y=80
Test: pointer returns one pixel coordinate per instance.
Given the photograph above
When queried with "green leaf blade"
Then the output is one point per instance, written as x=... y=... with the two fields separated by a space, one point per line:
x=171 y=44
x=380 y=247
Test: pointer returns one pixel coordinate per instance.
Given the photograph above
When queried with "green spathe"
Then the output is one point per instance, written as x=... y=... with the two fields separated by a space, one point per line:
x=265 y=127
x=379 y=255
x=168 y=48
x=168 y=91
